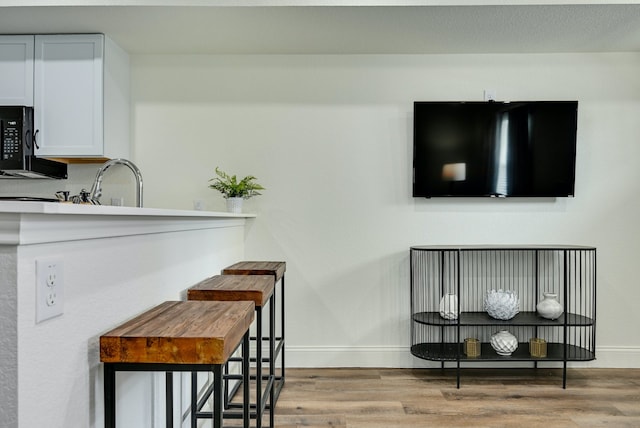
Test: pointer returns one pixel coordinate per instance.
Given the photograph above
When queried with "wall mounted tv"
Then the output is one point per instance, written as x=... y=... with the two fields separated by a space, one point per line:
x=499 y=149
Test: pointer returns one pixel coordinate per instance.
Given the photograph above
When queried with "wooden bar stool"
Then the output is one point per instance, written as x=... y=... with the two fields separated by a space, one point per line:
x=179 y=336
x=258 y=289
x=277 y=271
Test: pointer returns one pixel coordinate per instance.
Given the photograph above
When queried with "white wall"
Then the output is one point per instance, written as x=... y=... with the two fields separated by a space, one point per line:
x=330 y=138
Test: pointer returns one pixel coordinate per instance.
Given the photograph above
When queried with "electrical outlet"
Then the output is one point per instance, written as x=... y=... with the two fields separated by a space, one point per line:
x=198 y=205
x=490 y=94
x=49 y=288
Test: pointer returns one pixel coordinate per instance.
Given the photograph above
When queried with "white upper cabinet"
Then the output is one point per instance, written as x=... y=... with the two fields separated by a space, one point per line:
x=68 y=94
x=81 y=96
x=78 y=85
x=16 y=70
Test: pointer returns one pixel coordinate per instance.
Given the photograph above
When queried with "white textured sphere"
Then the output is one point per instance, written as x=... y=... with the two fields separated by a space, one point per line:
x=501 y=305
x=504 y=343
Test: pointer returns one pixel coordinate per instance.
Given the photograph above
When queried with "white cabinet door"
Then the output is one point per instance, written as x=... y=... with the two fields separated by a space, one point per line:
x=68 y=87
x=16 y=70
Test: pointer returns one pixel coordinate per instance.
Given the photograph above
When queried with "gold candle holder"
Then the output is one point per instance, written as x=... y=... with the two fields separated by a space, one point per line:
x=471 y=347
x=538 y=347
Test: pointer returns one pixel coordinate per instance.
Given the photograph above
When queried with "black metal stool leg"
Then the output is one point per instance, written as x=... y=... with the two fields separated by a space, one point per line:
x=226 y=386
x=218 y=392
x=280 y=348
x=194 y=399
x=272 y=360
x=109 y=396
x=168 y=398
x=246 y=377
x=282 y=330
x=259 y=406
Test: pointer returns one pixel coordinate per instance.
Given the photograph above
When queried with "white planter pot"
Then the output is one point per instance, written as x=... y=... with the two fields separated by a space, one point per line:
x=234 y=205
x=501 y=305
x=549 y=307
x=449 y=307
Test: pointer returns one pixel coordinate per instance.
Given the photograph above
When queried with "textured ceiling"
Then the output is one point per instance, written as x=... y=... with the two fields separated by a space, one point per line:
x=343 y=29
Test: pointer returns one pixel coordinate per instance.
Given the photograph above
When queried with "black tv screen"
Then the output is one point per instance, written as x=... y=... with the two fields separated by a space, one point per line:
x=501 y=149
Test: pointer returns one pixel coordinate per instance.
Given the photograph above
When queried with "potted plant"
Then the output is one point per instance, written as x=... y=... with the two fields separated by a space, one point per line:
x=234 y=190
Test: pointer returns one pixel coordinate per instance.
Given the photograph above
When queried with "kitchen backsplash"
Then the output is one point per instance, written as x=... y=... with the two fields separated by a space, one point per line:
x=117 y=183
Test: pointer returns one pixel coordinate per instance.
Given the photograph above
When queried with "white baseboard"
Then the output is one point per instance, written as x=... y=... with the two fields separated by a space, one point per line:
x=400 y=357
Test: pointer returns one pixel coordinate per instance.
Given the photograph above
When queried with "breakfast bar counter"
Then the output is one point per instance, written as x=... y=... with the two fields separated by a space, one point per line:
x=39 y=222
x=113 y=263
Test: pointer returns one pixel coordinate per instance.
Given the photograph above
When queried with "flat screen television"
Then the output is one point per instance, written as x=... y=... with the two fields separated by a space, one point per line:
x=499 y=149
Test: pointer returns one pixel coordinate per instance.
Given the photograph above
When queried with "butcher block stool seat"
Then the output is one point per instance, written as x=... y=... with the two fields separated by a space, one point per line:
x=179 y=336
x=277 y=271
x=259 y=289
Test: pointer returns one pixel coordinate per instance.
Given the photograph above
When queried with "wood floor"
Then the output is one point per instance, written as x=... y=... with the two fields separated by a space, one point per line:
x=524 y=398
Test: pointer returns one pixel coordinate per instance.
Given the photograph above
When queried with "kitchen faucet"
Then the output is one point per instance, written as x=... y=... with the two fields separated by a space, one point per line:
x=96 y=189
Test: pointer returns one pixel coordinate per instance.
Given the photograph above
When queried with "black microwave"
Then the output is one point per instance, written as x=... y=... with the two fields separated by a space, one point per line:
x=18 y=143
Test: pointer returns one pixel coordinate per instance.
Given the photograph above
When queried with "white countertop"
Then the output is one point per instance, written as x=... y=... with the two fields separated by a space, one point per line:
x=23 y=223
x=82 y=209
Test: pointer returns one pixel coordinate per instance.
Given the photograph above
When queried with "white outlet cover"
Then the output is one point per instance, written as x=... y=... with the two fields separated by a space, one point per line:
x=49 y=288
x=490 y=94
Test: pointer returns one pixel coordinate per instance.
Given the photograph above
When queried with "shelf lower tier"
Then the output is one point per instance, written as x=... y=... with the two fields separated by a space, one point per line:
x=451 y=351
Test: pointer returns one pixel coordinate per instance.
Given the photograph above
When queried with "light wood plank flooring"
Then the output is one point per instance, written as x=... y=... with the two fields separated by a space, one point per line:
x=387 y=398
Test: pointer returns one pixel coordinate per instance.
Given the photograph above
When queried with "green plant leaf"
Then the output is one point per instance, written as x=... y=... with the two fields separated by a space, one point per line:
x=230 y=187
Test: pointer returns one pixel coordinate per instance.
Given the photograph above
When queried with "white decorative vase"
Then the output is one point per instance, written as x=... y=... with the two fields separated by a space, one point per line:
x=549 y=307
x=501 y=305
x=504 y=343
x=449 y=307
x=234 y=205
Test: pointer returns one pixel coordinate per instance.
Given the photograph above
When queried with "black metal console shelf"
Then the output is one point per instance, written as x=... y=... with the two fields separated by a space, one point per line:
x=451 y=352
x=470 y=272
x=481 y=318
